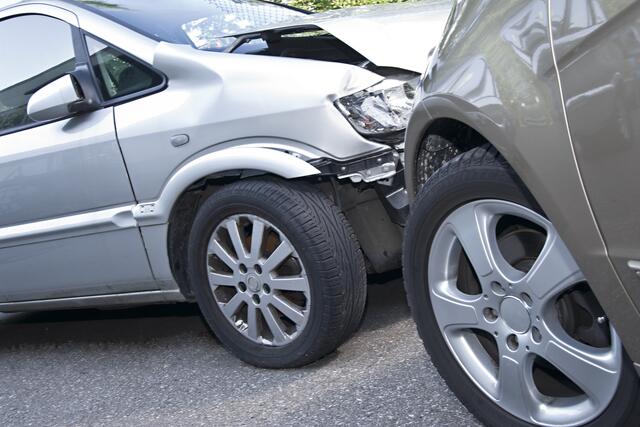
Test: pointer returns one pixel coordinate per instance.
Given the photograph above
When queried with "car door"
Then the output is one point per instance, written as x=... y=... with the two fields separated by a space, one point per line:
x=66 y=227
x=597 y=46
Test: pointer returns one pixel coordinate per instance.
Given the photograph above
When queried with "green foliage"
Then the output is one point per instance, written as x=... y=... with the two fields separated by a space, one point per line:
x=322 y=5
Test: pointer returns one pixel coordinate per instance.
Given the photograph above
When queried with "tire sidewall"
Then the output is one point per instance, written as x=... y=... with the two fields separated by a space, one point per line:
x=211 y=213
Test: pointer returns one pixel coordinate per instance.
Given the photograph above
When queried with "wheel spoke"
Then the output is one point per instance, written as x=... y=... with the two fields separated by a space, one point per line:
x=220 y=252
x=216 y=279
x=274 y=326
x=231 y=307
x=554 y=270
x=513 y=390
x=236 y=240
x=260 y=308
x=595 y=371
x=257 y=234
x=455 y=314
x=287 y=309
x=520 y=311
x=474 y=228
x=279 y=254
x=299 y=284
x=252 y=322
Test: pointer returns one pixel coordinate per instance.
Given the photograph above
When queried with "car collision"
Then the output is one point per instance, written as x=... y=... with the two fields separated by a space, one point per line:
x=243 y=155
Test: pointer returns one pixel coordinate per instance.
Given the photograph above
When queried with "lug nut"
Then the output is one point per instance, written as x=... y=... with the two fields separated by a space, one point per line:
x=536 y=335
x=490 y=314
x=497 y=288
x=512 y=342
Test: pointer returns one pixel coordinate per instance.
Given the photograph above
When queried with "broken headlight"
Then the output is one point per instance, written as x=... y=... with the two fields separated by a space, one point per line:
x=382 y=109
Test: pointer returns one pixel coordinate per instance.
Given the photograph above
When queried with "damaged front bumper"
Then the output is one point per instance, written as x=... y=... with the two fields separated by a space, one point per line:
x=382 y=171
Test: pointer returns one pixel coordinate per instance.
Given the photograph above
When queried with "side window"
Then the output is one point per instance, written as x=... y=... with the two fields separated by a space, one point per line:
x=30 y=60
x=118 y=74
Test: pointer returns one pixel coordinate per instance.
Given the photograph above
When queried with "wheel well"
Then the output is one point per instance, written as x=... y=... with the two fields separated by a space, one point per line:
x=381 y=248
x=183 y=214
x=443 y=140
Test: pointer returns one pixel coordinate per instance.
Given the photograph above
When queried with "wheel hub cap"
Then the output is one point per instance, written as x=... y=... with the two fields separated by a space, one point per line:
x=253 y=284
x=258 y=280
x=515 y=314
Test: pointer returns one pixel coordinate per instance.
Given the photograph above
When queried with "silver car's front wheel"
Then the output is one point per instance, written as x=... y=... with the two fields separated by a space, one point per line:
x=258 y=279
x=504 y=310
x=276 y=271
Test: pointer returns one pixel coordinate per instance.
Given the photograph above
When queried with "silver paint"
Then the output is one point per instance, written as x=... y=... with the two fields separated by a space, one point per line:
x=68 y=226
x=53 y=101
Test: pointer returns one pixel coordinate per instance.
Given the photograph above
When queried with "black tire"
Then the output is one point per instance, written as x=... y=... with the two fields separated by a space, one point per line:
x=329 y=251
x=478 y=174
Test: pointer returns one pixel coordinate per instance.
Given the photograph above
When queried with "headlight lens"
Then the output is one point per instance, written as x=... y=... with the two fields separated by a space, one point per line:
x=381 y=109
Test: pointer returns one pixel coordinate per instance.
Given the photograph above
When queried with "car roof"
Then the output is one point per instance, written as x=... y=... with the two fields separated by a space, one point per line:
x=68 y=4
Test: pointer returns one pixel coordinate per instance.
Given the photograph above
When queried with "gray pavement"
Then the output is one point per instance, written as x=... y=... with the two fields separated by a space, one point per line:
x=158 y=366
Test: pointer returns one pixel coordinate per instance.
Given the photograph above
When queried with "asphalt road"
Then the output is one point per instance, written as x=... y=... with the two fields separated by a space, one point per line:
x=158 y=366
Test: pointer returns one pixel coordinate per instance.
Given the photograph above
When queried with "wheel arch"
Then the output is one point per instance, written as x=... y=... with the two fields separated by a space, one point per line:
x=223 y=162
x=195 y=180
x=455 y=119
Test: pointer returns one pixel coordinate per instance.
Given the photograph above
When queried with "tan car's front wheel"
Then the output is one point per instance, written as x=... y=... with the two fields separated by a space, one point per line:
x=503 y=308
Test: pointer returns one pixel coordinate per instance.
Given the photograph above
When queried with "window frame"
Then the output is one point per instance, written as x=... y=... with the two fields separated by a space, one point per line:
x=96 y=83
x=84 y=74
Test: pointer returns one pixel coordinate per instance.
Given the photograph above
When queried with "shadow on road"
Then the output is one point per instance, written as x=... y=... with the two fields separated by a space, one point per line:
x=159 y=366
x=386 y=304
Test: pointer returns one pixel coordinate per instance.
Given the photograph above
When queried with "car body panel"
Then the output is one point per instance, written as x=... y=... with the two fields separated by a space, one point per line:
x=507 y=89
x=598 y=57
x=59 y=183
x=62 y=168
x=224 y=92
x=391 y=35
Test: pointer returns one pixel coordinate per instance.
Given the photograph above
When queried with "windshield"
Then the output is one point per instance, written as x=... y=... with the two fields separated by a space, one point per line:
x=200 y=23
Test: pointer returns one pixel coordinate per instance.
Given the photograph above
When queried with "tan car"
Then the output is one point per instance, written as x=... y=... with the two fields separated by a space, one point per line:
x=522 y=252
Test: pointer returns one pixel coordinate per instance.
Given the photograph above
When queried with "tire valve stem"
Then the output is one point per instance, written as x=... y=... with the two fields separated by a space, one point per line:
x=601 y=319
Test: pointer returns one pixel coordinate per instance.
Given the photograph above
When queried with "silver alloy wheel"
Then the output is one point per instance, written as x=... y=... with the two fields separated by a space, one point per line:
x=258 y=280
x=519 y=311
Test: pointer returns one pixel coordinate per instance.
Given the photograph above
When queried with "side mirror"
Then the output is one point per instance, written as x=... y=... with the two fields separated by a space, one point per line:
x=59 y=99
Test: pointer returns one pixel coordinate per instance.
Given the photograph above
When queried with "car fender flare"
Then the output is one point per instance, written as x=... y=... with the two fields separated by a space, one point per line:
x=450 y=107
x=235 y=158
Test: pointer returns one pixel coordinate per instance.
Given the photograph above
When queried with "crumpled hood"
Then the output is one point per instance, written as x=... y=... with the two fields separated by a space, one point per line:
x=390 y=35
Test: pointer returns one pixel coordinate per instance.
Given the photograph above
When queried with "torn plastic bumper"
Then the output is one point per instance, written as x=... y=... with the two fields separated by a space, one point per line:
x=384 y=171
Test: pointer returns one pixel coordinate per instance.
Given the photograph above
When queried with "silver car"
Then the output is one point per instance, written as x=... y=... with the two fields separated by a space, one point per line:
x=235 y=153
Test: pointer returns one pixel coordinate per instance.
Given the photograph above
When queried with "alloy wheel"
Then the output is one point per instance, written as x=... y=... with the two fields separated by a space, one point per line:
x=515 y=311
x=258 y=280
